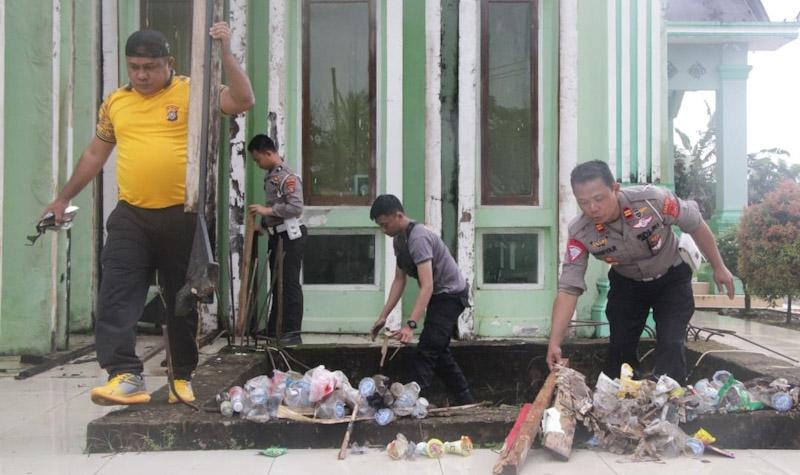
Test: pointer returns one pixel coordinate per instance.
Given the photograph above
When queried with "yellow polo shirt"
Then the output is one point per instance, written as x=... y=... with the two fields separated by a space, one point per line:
x=151 y=134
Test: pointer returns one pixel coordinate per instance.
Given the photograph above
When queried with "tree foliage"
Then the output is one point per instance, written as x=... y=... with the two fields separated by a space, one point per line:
x=765 y=170
x=769 y=244
x=695 y=167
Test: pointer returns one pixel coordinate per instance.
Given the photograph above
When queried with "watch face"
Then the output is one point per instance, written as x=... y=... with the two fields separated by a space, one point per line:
x=412 y=324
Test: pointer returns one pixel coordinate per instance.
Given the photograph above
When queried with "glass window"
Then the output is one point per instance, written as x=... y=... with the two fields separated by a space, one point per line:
x=511 y=258
x=173 y=18
x=339 y=102
x=509 y=169
x=339 y=259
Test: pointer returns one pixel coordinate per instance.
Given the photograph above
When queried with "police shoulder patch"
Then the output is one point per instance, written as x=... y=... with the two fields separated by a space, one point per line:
x=671 y=207
x=575 y=249
x=291 y=184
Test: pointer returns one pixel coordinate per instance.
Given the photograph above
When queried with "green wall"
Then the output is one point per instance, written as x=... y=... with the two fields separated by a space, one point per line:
x=592 y=114
x=28 y=299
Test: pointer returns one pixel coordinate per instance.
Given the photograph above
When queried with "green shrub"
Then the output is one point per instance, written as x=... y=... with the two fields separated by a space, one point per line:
x=769 y=245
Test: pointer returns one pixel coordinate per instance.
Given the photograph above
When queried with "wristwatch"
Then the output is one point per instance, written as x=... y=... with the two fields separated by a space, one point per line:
x=412 y=324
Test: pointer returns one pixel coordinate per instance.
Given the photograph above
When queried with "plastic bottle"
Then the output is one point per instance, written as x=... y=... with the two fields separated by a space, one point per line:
x=420 y=408
x=258 y=396
x=384 y=416
x=781 y=401
x=296 y=394
x=695 y=447
x=720 y=378
x=366 y=387
x=226 y=408
x=237 y=398
x=332 y=408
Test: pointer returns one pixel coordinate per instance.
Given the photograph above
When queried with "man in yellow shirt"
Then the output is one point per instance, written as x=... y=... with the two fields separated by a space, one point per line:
x=148 y=231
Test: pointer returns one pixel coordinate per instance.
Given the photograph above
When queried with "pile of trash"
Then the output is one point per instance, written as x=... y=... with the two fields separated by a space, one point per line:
x=401 y=448
x=642 y=417
x=326 y=394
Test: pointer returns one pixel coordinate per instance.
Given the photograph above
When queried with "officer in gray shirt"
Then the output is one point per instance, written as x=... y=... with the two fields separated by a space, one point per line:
x=443 y=292
x=281 y=219
x=631 y=229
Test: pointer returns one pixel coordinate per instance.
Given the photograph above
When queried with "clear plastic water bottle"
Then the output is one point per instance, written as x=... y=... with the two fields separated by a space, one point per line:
x=258 y=396
x=781 y=401
x=695 y=446
x=420 y=410
x=366 y=387
x=226 y=408
x=237 y=398
x=297 y=394
x=384 y=416
x=331 y=408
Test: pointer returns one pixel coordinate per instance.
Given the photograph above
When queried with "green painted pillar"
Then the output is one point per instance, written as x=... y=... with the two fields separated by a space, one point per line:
x=732 y=139
x=27 y=309
x=599 y=308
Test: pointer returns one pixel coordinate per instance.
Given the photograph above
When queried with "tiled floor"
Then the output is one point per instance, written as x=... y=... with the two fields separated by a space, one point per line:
x=43 y=427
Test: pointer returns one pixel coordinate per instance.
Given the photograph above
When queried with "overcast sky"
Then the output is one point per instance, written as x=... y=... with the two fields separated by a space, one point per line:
x=773 y=93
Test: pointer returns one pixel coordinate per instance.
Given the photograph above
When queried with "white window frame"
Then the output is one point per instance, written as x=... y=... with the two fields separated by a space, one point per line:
x=540 y=234
x=377 y=259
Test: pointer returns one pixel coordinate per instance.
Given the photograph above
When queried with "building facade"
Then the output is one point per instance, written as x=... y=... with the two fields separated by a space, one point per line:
x=473 y=112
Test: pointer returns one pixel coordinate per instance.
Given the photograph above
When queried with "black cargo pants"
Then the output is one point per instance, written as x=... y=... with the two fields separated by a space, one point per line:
x=142 y=241
x=433 y=356
x=292 y=290
x=629 y=301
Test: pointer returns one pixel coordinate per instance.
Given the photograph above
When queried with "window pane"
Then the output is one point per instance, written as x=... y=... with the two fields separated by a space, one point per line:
x=174 y=19
x=510 y=258
x=338 y=134
x=339 y=259
x=509 y=124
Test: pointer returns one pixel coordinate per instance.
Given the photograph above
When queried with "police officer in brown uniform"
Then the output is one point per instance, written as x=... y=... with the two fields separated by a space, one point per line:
x=631 y=229
x=281 y=218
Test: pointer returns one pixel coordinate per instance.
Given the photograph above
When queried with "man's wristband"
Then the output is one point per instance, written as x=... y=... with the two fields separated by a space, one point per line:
x=412 y=324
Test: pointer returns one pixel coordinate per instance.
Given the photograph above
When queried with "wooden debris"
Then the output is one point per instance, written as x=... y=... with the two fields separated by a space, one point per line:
x=560 y=441
x=521 y=437
x=347 y=433
x=246 y=285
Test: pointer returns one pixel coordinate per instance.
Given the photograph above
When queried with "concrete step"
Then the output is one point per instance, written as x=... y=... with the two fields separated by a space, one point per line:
x=701 y=288
x=722 y=301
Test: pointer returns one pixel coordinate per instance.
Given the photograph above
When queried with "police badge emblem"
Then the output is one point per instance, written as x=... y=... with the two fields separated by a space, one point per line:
x=172 y=113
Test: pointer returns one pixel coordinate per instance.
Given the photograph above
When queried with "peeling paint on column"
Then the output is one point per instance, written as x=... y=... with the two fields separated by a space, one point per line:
x=568 y=118
x=468 y=133
x=238 y=126
x=433 y=115
x=276 y=99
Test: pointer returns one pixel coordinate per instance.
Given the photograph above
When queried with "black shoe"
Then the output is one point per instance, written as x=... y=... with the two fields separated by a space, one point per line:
x=290 y=340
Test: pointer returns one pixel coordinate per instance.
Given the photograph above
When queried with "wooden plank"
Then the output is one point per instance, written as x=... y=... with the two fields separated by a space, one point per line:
x=244 y=279
x=517 y=445
x=560 y=443
x=198 y=137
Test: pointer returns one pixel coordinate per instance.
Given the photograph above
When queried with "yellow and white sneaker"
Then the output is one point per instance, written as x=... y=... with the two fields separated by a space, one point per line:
x=123 y=388
x=184 y=389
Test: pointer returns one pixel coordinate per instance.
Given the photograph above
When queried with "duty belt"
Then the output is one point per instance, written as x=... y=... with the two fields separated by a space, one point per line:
x=281 y=227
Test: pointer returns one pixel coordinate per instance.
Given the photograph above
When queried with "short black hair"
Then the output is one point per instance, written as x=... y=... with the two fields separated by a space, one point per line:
x=147 y=44
x=385 y=205
x=261 y=143
x=592 y=170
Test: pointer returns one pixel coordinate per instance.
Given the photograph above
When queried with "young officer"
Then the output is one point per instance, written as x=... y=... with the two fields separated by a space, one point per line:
x=281 y=218
x=442 y=290
x=631 y=229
